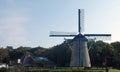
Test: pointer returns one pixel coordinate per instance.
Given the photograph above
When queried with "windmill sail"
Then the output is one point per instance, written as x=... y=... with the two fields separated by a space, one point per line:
x=80 y=20
x=62 y=34
x=98 y=36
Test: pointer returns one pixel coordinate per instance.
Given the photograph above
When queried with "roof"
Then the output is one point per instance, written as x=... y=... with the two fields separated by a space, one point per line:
x=28 y=60
x=79 y=37
x=41 y=58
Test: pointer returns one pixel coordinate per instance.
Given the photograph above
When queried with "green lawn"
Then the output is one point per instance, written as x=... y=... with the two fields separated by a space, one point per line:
x=59 y=69
x=114 y=70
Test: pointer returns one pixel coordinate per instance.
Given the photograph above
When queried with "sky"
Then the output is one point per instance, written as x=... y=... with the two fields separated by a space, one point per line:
x=29 y=22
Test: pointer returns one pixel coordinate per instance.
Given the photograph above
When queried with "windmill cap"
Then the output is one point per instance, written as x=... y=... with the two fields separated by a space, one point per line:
x=80 y=37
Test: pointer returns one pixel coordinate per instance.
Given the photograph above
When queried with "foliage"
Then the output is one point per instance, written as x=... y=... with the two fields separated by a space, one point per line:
x=37 y=51
x=101 y=52
x=60 y=54
x=3 y=54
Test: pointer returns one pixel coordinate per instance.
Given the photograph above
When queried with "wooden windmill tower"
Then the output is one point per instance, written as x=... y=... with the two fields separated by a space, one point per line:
x=80 y=53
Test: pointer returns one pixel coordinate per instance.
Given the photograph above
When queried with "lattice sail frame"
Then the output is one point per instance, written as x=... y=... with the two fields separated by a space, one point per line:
x=88 y=36
x=98 y=36
x=81 y=20
x=62 y=34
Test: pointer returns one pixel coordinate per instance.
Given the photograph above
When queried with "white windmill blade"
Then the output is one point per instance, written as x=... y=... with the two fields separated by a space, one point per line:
x=98 y=36
x=62 y=34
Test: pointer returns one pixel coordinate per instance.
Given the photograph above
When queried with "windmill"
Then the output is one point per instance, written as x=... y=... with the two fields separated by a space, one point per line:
x=80 y=52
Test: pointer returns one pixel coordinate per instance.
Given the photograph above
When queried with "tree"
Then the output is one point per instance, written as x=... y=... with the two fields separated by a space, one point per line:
x=37 y=51
x=59 y=54
x=99 y=52
x=116 y=46
x=3 y=54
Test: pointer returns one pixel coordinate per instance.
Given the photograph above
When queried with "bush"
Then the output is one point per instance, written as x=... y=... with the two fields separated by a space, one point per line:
x=3 y=70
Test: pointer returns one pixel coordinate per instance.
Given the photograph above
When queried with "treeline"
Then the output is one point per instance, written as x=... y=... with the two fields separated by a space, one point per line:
x=100 y=53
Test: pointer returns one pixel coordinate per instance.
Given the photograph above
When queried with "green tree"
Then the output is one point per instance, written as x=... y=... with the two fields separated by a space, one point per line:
x=20 y=51
x=37 y=51
x=116 y=46
x=99 y=52
x=3 y=54
x=59 y=54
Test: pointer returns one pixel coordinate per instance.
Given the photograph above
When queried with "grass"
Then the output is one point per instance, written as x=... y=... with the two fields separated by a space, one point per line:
x=60 y=69
x=114 y=70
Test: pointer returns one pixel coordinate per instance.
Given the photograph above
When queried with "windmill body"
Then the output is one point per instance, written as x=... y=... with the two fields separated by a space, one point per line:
x=80 y=53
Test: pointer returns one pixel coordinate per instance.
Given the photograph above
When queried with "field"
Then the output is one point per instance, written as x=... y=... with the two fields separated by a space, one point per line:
x=58 y=69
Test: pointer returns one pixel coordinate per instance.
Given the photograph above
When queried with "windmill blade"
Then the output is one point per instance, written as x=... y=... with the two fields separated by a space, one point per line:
x=62 y=34
x=80 y=20
x=98 y=36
